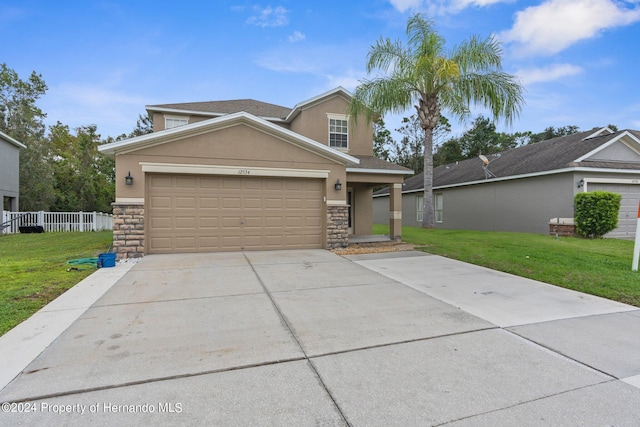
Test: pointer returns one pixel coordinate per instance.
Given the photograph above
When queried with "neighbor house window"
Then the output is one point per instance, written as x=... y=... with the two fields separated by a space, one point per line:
x=174 y=122
x=439 y=211
x=338 y=131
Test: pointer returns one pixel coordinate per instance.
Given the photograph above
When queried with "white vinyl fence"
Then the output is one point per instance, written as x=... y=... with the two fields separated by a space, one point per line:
x=56 y=221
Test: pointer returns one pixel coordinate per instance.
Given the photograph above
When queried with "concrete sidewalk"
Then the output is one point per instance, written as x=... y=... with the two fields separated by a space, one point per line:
x=311 y=338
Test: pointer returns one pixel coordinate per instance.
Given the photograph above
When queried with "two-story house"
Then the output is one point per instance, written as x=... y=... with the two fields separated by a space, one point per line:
x=9 y=172
x=248 y=175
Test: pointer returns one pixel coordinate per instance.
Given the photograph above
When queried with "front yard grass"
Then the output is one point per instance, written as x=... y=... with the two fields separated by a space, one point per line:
x=33 y=269
x=599 y=267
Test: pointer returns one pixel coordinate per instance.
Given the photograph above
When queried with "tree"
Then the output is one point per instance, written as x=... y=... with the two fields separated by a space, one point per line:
x=551 y=132
x=382 y=140
x=144 y=126
x=482 y=138
x=424 y=75
x=21 y=119
x=84 y=178
x=409 y=152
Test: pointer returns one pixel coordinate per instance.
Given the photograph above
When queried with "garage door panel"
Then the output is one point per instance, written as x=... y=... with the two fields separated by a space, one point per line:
x=186 y=182
x=209 y=182
x=186 y=223
x=253 y=203
x=231 y=203
x=209 y=213
x=160 y=202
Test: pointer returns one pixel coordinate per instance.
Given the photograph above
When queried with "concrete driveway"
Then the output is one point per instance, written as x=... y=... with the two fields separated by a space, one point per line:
x=312 y=338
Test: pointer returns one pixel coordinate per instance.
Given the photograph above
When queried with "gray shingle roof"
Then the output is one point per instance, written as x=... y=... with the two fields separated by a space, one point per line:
x=251 y=106
x=552 y=154
x=371 y=162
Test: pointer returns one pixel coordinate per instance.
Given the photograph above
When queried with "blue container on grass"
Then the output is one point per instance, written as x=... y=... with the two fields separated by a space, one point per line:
x=107 y=260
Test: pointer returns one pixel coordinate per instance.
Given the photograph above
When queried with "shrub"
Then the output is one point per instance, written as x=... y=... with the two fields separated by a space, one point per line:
x=596 y=213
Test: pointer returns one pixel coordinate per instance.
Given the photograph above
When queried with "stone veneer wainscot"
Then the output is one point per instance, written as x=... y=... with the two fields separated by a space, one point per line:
x=128 y=230
x=337 y=226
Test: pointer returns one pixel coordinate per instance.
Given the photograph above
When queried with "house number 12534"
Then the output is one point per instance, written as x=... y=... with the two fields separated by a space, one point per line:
x=244 y=171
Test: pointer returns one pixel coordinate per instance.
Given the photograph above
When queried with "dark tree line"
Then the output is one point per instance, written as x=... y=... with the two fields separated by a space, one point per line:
x=60 y=168
x=480 y=138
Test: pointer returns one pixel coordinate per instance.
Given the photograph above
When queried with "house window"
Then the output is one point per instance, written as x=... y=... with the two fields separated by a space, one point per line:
x=438 y=207
x=338 y=131
x=439 y=211
x=174 y=122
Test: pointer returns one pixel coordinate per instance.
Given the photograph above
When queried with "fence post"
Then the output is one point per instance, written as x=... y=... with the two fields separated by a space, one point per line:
x=95 y=219
x=81 y=215
x=41 y=218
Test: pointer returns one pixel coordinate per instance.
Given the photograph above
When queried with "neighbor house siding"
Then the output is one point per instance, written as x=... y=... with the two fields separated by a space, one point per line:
x=524 y=205
x=9 y=171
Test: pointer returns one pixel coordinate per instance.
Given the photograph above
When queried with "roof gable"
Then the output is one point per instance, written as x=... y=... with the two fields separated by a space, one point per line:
x=198 y=128
x=339 y=91
x=624 y=147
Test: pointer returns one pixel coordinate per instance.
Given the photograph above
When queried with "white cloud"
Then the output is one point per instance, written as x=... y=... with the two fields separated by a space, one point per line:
x=403 y=5
x=113 y=111
x=547 y=74
x=440 y=7
x=296 y=37
x=350 y=80
x=269 y=17
x=458 y=5
x=557 y=24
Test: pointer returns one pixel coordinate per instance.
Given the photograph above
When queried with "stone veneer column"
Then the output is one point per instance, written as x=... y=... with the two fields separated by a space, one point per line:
x=128 y=230
x=337 y=226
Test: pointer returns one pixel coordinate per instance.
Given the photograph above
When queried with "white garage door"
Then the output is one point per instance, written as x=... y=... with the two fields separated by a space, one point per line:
x=203 y=213
x=628 y=216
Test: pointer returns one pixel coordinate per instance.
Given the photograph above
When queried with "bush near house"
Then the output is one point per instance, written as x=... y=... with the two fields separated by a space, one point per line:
x=596 y=213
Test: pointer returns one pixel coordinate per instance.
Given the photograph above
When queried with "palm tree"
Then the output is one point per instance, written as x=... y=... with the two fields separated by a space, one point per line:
x=426 y=76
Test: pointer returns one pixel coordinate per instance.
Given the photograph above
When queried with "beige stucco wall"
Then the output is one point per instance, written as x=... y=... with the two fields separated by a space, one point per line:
x=363 y=210
x=313 y=123
x=239 y=145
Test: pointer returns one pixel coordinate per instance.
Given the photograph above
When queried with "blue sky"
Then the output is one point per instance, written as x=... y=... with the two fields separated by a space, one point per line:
x=103 y=61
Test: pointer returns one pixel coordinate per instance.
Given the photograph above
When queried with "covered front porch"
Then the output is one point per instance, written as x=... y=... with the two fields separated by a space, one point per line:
x=370 y=174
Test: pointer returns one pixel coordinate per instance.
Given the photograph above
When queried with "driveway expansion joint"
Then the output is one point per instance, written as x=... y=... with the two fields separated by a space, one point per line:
x=293 y=335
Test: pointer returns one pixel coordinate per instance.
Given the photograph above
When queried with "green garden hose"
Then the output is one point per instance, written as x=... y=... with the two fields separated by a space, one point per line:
x=82 y=261
x=93 y=262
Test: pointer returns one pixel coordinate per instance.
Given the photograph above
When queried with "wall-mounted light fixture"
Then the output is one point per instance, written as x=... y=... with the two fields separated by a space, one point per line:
x=581 y=183
x=338 y=185
x=128 y=179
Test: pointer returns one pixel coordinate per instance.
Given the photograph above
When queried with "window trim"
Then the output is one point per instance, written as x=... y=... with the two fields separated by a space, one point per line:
x=342 y=117
x=181 y=118
x=420 y=207
x=436 y=197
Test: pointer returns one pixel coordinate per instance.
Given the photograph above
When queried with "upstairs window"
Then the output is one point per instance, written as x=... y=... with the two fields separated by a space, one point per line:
x=174 y=122
x=338 y=132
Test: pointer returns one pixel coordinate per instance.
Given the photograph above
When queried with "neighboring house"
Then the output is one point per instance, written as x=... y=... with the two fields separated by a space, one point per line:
x=523 y=188
x=9 y=172
x=247 y=175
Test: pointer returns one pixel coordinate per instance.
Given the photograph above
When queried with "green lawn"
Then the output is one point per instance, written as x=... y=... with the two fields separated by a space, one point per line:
x=33 y=269
x=599 y=267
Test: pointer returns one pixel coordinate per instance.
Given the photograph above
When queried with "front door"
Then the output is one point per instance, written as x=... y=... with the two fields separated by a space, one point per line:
x=350 y=203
